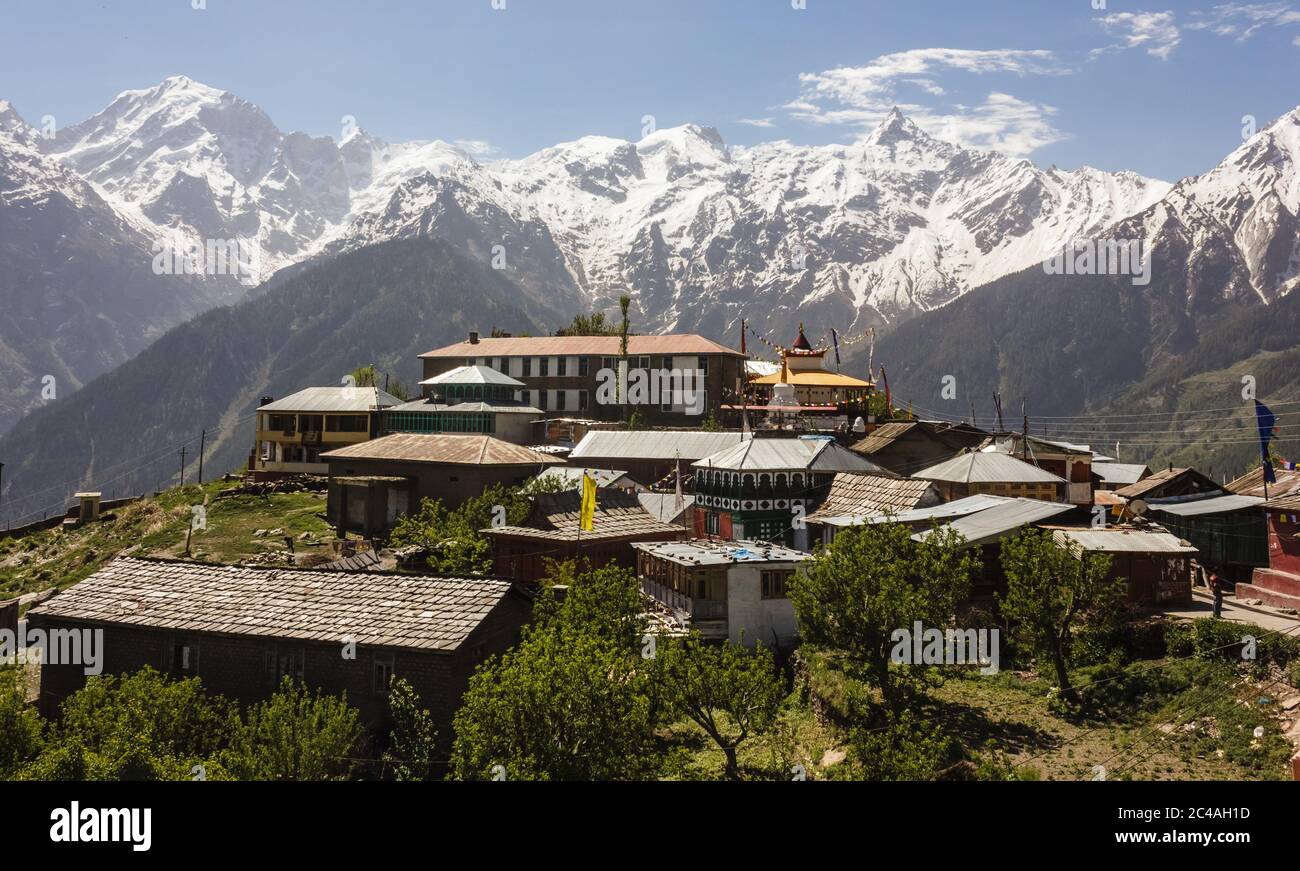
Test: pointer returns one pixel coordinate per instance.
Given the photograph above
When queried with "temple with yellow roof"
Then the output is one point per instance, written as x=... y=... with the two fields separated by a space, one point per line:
x=804 y=380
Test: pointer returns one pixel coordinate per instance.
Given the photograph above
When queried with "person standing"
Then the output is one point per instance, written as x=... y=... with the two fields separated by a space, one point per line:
x=1216 y=587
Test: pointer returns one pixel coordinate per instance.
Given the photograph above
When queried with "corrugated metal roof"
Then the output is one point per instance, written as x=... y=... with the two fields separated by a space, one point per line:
x=474 y=406
x=689 y=445
x=663 y=506
x=456 y=450
x=417 y=611
x=819 y=455
x=707 y=552
x=1211 y=505
x=998 y=522
x=856 y=493
x=987 y=467
x=562 y=346
x=955 y=508
x=333 y=399
x=473 y=375
x=1120 y=473
x=572 y=475
x=1123 y=541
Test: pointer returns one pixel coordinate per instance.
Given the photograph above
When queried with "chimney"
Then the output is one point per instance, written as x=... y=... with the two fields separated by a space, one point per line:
x=266 y=400
x=473 y=337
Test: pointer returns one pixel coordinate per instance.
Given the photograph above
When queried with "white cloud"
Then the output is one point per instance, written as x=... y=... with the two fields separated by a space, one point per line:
x=1154 y=31
x=863 y=95
x=1244 y=20
x=476 y=147
x=758 y=122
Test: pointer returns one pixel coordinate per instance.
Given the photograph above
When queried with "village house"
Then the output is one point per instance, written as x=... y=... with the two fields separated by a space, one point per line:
x=1155 y=566
x=241 y=630
x=986 y=528
x=724 y=590
x=562 y=373
x=1227 y=529
x=293 y=432
x=1277 y=583
x=1168 y=483
x=552 y=531
x=1072 y=463
x=759 y=488
x=375 y=483
x=467 y=399
x=860 y=495
x=668 y=508
x=907 y=446
x=995 y=473
x=650 y=456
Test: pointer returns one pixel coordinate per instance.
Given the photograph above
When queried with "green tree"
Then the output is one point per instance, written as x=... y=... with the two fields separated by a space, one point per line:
x=729 y=692
x=140 y=726
x=20 y=725
x=369 y=376
x=589 y=325
x=297 y=735
x=573 y=701
x=1050 y=587
x=874 y=580
x=412 y=741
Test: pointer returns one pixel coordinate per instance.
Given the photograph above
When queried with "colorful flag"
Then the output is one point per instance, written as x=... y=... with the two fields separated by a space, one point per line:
x=1266 y=421
x=587 y=514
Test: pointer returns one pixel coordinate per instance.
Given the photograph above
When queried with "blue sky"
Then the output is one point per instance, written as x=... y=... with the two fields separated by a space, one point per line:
x=1159 y=88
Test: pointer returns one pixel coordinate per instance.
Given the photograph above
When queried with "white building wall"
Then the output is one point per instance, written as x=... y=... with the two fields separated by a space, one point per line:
x=750 y=617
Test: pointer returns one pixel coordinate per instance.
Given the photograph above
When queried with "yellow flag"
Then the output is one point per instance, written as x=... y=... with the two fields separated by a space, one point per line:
x=587 y=514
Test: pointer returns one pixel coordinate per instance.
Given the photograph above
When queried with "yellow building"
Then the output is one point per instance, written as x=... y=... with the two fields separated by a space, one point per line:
x=293 y=432
x=805 y=381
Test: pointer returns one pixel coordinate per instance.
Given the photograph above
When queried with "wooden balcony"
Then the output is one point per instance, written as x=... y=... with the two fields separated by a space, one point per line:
x=706 y=615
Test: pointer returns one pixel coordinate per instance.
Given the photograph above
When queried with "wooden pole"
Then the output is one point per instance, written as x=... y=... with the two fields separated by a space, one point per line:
x=203 y=437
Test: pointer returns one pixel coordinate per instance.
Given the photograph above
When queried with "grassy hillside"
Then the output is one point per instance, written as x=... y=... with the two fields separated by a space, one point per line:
x=157 y=527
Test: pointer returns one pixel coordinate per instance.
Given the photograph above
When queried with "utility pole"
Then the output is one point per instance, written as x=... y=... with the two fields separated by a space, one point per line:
x=182 y=465
x=1024 y=432
x=203 y=437
x=2 y=487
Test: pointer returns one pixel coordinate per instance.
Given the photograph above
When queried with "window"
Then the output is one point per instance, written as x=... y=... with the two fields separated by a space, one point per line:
x=184 y=659
x=543 y=366
x=584 y=366
x=562 y=366
x=704 y=365
x=711 y=524
x=383 y=672
x=559 y=398
x=282 y=662
x=582 y=398
x=607 y=363
x=528 y=367
x=774 y=584
x=541 y=399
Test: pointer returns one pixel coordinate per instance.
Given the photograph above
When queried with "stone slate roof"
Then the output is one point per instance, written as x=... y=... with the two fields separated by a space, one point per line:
x=412 y=611
x=854 y=494
x=618 y=515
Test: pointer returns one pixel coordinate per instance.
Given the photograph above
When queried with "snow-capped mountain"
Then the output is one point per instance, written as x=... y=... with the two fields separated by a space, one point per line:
x=78 y=294
x=698 y=233
x=1233 y=232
